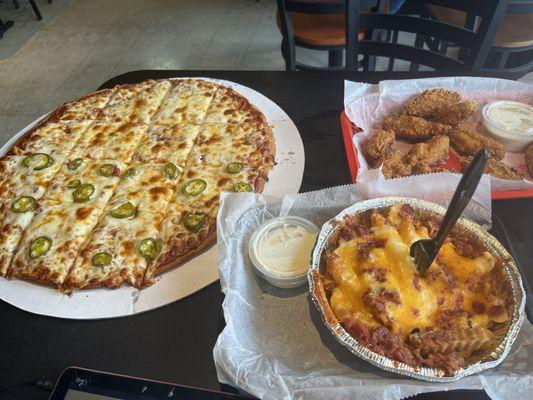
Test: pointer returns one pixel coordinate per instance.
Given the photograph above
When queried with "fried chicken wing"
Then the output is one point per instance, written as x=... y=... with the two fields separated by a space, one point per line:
x=468 y=142
x=496 y=168
x=431 y=152
x=414 y=129
x=456 y=113
x=529 y=160
x=394 y=165
x=379 y=145
x=429 y=102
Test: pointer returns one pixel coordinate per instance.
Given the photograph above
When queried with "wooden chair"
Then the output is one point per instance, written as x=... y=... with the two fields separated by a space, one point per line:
x=318 y=25
x=474 y=44
x=512 y=48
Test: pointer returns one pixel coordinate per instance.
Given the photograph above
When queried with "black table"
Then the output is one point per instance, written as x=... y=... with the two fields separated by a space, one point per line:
x=174 y=343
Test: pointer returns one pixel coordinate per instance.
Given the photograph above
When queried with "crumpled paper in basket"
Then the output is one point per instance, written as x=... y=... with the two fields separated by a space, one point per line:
x=367 y=104
x=275 y=345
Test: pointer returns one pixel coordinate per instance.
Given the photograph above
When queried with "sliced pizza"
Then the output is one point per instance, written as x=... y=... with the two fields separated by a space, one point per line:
x=186 y=103
x=118 y=251
x=111 y=140
x=144 y=188
x=24 y=182
x=167 y=143
x=245 y=144
x=84 y=108
x=229 y=107
x=135 y=103
x=186 y=231
x=27 y=175
x=126 y=237
x=52 y=241
x=15 y=216
x=84 y=181
x=54 y=139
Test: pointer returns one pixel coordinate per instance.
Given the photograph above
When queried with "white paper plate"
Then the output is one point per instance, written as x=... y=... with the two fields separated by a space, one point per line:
x=202 y=270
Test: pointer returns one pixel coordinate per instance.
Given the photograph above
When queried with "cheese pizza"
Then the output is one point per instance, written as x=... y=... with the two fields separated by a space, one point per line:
x=123 y=184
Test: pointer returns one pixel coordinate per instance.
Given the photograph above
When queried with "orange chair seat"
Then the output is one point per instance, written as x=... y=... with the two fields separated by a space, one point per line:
x=515 y=30
x=320 y=30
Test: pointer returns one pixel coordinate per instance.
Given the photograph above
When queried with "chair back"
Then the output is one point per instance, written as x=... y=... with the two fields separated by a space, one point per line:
x=475 y=45
x=325 y=7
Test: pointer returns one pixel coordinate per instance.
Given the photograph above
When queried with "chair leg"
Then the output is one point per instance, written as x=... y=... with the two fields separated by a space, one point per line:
x=16 y=4
x=504 y=57
x=335 y=58
x=285 y=53
x=4 y=26
x=36 y=10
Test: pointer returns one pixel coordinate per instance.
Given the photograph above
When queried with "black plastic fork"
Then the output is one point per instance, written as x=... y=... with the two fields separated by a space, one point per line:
x=424 y=251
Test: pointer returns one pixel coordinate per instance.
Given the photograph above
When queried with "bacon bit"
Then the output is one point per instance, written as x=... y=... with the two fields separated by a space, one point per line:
x=369 y=244
x=377 y=301
x=450 y=281
x=466 y=245
x=478 y=307
x=116 y=171
x=416 y=283
x=378 y=273
x=415 y=311
x=496 y=310
x=432 y=224
x=406 y=212
x=459 y=302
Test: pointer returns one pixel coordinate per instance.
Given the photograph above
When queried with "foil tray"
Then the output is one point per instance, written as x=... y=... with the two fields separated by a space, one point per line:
x=316 y=290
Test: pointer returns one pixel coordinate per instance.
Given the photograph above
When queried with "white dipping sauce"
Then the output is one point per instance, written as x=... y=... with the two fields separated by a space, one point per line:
x=509 y=122
x=513 y=116
x=286 y=249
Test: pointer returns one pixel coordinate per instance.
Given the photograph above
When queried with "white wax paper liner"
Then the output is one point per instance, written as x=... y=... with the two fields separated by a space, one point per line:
x=366 y=105
x=275 y=345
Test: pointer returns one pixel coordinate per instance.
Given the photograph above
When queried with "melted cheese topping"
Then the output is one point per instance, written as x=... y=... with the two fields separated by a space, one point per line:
x=390 y=269
x=110 y=140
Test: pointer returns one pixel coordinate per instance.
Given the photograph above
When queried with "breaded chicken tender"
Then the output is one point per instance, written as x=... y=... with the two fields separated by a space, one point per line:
x=429 y=169
x=429 y=102
x=414 y=129
x=468 y=142
x=429 y=153
x=453 y=115
x=496 y=168
x=379 y=145
x=394 y=165
x=529 y=160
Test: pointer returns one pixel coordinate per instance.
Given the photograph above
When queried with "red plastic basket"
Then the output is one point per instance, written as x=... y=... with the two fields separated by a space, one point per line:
x=349 y=130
